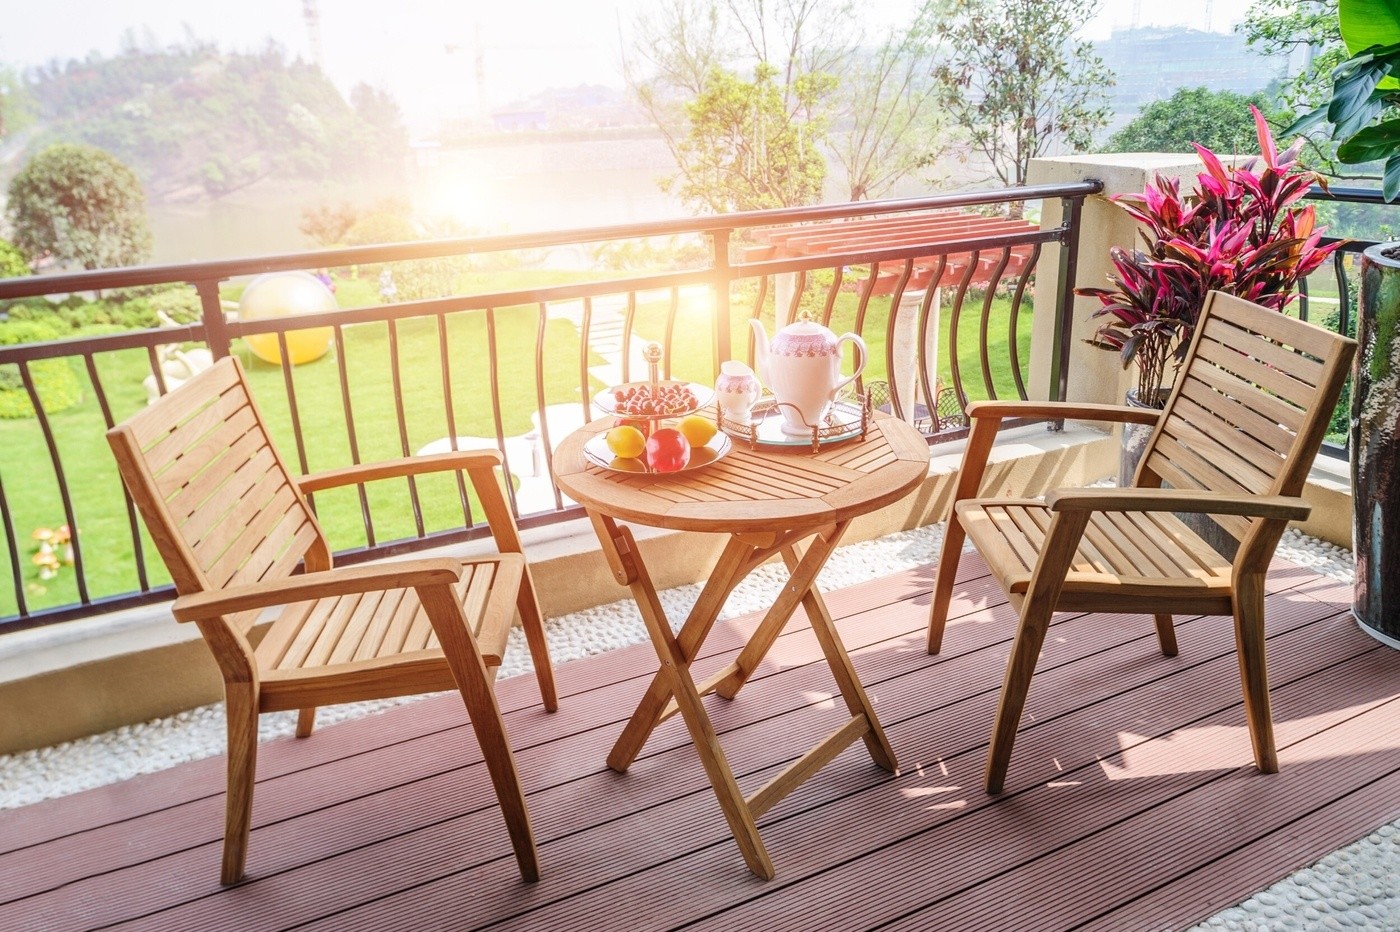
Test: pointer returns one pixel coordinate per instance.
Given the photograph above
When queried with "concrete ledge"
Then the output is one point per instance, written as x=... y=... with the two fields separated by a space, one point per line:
x=83 y=677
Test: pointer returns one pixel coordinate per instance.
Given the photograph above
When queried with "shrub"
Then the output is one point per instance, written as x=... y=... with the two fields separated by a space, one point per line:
x=12 y=264
x=54 y=379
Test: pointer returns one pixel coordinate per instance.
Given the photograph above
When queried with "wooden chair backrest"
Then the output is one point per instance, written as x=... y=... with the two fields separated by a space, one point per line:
x=1250 y=406
x=216 y=497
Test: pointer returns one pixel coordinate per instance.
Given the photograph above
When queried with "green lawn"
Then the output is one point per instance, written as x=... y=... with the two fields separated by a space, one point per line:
x=95 y=488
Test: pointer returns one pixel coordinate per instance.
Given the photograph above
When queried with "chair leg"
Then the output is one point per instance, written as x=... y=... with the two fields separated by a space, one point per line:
x=241 y=701
x=1025 y=650
x=948 y=559
x=1249 y=641
x=474 y=683
x=1166 y=634
x=527 y=603
x=306 y=722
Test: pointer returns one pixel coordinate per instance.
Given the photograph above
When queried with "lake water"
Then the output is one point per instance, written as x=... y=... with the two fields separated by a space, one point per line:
x=500 y=188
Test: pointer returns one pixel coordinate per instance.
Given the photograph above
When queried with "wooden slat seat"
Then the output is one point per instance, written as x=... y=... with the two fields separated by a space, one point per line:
x=1121 y=555
x=233 y=526
x=385 y=635
x=1235 y=441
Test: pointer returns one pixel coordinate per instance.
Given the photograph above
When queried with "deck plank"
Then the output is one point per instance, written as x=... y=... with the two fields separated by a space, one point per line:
x=389 y=822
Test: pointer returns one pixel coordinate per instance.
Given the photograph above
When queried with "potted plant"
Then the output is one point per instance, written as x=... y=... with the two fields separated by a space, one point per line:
x=1364 y=118
x=1239 y=231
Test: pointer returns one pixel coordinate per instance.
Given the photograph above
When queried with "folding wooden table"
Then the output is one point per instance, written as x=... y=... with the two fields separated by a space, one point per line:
x=768 y=501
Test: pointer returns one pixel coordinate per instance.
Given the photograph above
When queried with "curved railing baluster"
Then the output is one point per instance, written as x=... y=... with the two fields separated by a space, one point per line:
x=1012 y=324
x=541 y=320
x=954 y=367
x=445 y=368
x=350 y=429
x=397 y=377
x=74 y=536
x=138 y=550
x=8 y=524
x=986 y=321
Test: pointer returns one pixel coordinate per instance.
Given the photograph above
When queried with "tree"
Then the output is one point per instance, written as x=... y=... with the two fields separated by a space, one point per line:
x=1218 y=120
x=78 y=204
x=1018 y=82
x=16 y=105
x=1285 y=28
x=745 y=151
x=325 y=225
x=686 y=72
x=812 y=87
x=887 y=125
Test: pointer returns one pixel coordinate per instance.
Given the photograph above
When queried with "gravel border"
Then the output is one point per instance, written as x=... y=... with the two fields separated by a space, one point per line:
x=1353 y=888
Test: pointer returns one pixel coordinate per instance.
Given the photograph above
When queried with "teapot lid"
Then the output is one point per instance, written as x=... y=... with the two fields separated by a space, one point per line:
x=805 y=325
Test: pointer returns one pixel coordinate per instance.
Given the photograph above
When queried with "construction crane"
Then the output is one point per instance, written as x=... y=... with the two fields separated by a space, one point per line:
x=312 y=15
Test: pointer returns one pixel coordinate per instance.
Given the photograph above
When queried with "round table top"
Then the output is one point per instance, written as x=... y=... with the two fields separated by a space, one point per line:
x=754 y=490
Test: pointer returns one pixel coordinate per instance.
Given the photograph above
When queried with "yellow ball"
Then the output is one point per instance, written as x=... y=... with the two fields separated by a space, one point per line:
x=286 y=294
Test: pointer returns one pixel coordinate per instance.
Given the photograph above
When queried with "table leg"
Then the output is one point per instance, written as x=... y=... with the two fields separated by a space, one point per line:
x=655 y=707
x=677 y=683
x=802 y=579
x=857 y=702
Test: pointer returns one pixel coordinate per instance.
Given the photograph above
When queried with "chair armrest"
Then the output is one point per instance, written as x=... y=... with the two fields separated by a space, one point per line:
x=410 y=574
x=391 y=469
x=1063 y=409
x=1286 y=507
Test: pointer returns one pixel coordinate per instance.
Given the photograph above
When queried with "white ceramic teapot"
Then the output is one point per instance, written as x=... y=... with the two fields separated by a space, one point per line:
x=802 y=367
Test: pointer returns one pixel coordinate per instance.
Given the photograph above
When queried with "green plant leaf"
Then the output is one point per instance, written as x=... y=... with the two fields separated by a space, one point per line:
x=1306 y=122
x=1353 y=122
x=1374 y=142
x=1353 y=91
x=1365 y=23
x=1390 y=187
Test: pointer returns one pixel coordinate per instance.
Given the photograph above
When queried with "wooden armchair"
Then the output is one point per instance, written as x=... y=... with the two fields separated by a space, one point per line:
x=1235 y=441
x=232 y=524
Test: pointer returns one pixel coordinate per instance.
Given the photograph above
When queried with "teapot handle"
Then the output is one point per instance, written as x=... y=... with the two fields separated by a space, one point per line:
x=861 y=354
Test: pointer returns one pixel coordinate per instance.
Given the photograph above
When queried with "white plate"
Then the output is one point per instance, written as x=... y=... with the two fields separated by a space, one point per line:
x=596 y=452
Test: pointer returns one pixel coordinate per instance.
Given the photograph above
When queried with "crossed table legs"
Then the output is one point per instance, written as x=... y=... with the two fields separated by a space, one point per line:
x=674 y=690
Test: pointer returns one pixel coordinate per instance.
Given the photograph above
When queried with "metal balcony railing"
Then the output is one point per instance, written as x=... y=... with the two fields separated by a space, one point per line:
x=402 y=374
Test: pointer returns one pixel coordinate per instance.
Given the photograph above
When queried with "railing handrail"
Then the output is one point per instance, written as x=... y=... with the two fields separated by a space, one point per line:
x=952 y=257
x=217 y=270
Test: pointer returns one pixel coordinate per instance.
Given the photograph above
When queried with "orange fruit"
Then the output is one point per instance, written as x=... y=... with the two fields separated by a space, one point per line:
x=698 y=430
x=626 y=441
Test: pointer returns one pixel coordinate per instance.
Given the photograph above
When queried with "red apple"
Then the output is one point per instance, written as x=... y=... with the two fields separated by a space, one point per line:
x=667 y=450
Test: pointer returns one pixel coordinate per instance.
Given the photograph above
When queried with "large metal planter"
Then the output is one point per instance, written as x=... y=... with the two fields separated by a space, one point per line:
x=1375 y=446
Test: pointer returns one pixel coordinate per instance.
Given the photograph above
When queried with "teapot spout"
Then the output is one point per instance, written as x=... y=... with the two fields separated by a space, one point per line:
x=760 y=342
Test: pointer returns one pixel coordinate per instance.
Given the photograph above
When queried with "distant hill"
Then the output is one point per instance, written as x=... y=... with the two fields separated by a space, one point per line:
x=194 y=122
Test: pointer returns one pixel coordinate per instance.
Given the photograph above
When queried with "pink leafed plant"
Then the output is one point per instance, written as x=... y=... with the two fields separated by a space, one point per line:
x=1237 y=232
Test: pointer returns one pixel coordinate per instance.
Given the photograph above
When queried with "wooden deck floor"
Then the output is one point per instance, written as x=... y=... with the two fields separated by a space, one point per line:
x=1131 y=802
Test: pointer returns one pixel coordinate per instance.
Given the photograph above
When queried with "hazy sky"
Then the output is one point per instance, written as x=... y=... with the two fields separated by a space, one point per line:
x=423 y=50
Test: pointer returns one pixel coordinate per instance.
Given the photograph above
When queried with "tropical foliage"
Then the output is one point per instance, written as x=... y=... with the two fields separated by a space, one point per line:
x=1237 y=232
x=1365 y=96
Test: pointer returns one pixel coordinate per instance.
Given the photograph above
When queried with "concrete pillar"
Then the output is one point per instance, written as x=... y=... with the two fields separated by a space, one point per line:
x=1095 y=375
x=909 y=356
